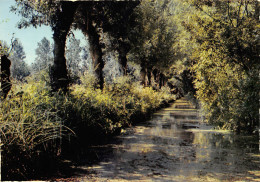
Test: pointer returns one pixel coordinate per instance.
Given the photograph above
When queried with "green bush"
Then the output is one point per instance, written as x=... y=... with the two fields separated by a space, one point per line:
x=112 y=108
x=28 y=118
x=36 y=123
x=30 y=127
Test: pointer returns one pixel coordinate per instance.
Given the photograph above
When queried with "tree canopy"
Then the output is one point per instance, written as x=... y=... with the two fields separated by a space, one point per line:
x=44 y=53
x=226 y=62
x=19 y=68
x=209 y=48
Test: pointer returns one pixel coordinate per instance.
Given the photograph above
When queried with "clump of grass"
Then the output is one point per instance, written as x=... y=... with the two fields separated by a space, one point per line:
x=30 y=125
x=105 y=112
x=35 y=122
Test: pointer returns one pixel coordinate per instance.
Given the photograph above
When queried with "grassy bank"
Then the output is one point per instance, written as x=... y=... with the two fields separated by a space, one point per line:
x=36 y=124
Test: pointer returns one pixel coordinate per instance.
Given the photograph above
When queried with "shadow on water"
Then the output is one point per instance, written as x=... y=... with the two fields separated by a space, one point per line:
x=173 y=146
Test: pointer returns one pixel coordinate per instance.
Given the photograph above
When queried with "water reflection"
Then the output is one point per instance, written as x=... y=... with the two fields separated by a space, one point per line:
x=176 y=146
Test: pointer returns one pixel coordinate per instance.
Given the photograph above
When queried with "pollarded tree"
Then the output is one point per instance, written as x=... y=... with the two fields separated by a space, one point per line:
x=96 y=18
x=44 y=53
x=59 y=15
x=5 y=76
x=85 y=21
x=118 y=21
x=153 y=38
x=64 y=19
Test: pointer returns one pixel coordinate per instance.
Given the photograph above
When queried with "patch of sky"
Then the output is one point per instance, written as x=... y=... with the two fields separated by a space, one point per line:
x=30 y=36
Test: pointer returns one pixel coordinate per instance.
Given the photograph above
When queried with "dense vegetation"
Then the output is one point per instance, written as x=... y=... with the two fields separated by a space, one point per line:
x=140 y=56
x=36 y=122
x=226 y=62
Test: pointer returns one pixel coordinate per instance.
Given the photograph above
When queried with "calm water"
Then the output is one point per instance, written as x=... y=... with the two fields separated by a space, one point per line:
x=175 y=145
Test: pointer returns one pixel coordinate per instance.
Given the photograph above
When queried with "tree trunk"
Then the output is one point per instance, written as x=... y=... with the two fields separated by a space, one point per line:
x=5 y=76
x=59 y=70
x=122 y=59
x=155 y=72
x=165 y=80
x=143 y=75
x=161 y=82
x=59 y=73
x=156 y=78
x=95 y=49
x=149 y=76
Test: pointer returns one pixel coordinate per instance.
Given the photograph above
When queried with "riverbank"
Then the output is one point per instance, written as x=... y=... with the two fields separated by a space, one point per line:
x=175 y=145
x=41 y=129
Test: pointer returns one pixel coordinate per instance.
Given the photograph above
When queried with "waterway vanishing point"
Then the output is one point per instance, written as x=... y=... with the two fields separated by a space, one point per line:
x=175 y=145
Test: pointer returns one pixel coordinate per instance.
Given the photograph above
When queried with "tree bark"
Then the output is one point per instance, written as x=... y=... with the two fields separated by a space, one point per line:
x=5 y=76
x=165 y=80
x=95 y=49
x=155 y=73
x=143 y=73
x=59 y=72
x=149 y=77
x=122 y=59
x=161 y=80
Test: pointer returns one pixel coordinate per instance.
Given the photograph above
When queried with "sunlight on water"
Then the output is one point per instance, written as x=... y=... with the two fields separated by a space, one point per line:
x=175 y=145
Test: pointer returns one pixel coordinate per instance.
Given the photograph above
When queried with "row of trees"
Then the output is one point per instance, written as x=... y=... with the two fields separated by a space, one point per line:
x=221 y=42
x=77 y=56
x=38 y=124
x=153 y=48
x=44 y=57
x=209 y=48
x=139 y=31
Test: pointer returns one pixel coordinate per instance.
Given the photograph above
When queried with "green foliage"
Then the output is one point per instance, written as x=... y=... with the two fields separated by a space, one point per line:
x=27 y=116
x=30 y=128
x=154 y=35
x=3 y=48
x=73 y=56
x=113 y=108
x=88 y=80
x=36 y=13
x=31 y=116
x=44 y=53
x=34 y=121
x=226 y=63
x=19 y=68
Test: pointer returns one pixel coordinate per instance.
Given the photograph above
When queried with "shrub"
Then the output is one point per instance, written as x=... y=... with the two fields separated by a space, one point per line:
x=36 y=123
x=30 y=125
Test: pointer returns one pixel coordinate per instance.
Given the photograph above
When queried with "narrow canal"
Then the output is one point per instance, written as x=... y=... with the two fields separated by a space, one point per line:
x=175 y=145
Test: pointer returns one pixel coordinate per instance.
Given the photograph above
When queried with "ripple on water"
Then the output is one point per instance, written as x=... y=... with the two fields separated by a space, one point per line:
x=176 y=146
